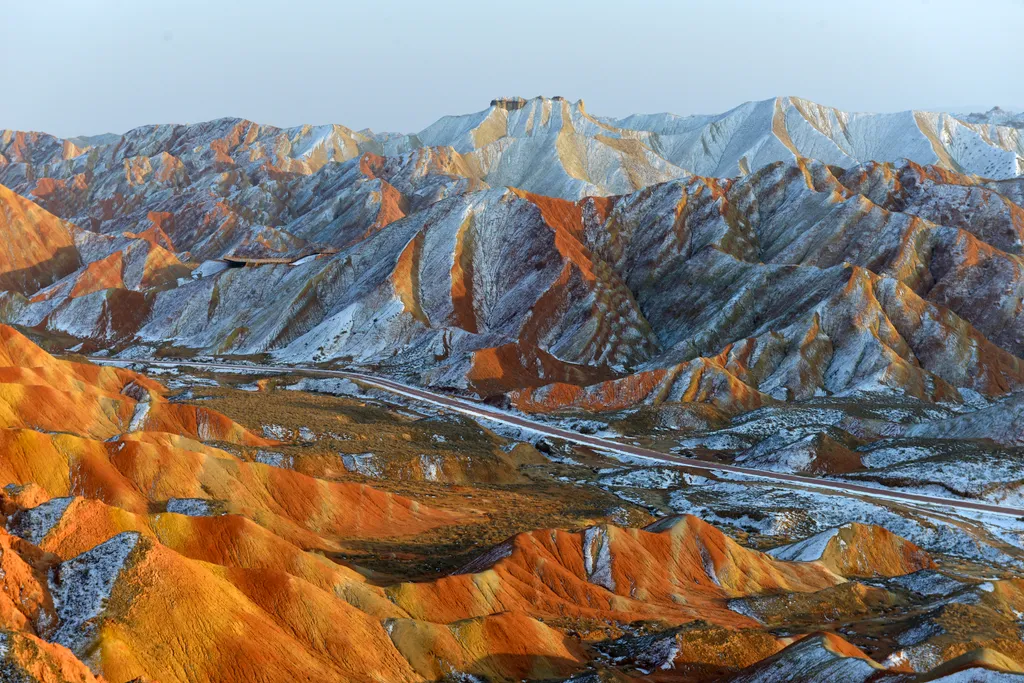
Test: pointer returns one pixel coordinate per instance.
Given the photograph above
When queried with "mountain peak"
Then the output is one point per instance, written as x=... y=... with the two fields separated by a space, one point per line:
x=516 y=102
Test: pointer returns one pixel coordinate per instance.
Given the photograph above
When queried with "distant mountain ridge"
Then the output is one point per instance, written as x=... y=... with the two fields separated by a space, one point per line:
x=997 y=116
x=555 y=147
x=533 y=250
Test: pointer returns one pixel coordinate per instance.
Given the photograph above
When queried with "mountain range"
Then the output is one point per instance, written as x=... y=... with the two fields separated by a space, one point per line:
x=531 y=247
x=784 y=286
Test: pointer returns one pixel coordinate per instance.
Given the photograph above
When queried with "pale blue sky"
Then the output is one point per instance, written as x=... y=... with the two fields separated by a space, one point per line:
x=89 y=66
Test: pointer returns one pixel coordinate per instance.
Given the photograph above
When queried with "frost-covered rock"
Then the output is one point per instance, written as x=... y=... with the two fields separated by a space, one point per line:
x=808 y=550
x=278 y=432
x=34 y=523
x=597 y=557
x=814 y=658
x=803 y=513
x=334 y=386
x=193 y=507
x=274 y=458
x=362 y=463
x=929 y=583
x=431 y=466
x=81 y=587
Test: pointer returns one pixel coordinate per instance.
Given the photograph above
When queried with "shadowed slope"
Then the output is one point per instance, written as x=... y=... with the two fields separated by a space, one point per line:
x=38 y=247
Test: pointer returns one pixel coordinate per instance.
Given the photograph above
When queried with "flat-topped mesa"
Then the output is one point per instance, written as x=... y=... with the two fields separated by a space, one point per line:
x=514 y=103
x=509 y=103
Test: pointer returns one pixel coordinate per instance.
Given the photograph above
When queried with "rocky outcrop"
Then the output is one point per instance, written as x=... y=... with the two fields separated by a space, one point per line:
x=680 y=571
x=825 y=656
x=859 y=550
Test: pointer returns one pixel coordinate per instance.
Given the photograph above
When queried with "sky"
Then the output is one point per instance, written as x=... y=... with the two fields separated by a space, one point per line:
x=76 y=68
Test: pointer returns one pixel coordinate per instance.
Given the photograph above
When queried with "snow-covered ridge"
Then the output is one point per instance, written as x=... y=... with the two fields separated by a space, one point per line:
x=807 y=550
x=555 y=147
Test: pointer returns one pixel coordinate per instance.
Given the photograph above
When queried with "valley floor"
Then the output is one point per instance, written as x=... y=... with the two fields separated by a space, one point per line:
x=507 y=482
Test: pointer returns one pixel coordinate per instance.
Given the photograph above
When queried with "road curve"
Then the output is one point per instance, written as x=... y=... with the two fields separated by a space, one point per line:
x=476 y=409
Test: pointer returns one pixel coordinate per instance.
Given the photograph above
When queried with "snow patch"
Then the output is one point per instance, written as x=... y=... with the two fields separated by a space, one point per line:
x=431 y=467
x=193 y=507
x=742 y=606
x=807 y=550
x=277 y=432
x=597 y=557
x=332 y=386
x=33 y=524
x=81 y=587
x=362 y=463
x=659 y=478
x=274 y=459
x=489 y=558
x=709 y=565
x=929 y=583
x=139 y=416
